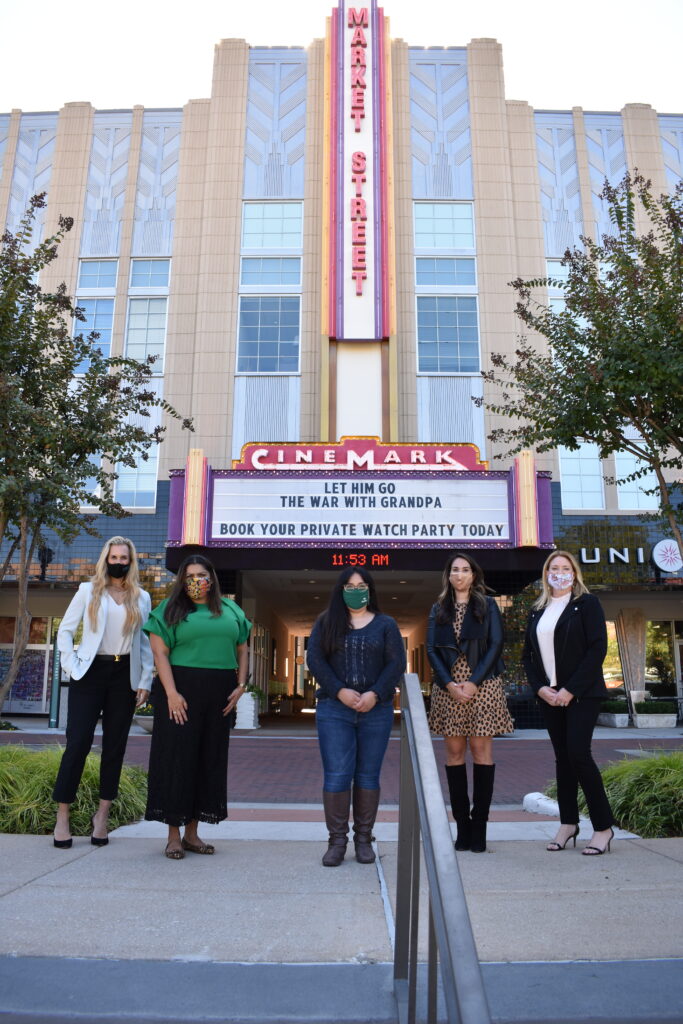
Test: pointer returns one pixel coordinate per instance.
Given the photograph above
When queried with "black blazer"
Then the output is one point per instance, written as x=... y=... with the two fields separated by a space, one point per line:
x=480 y=642
x=580 y=649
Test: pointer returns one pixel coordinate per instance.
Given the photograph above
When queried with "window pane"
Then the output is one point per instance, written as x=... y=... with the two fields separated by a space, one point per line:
x=631 y=495
x=581 y=476
x=149 y=273
x=444 y=273
x=136 y=488
x=447 y=334
x=271 y=270
x=146 y=334
x=444 y=226
x=99 y=315
x=97 y=274
x=268 y=334
x=272 y=225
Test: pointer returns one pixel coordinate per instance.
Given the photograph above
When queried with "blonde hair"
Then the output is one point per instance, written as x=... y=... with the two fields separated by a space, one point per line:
x=578 y=588
x=131 y=585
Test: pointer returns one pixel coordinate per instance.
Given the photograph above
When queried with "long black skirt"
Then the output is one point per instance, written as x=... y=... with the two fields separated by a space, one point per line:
x=188 y=764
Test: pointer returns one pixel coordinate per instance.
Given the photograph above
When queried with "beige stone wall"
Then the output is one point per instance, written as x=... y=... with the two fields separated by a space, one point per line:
x=202 y=328
x=313 y=343
x=406 y=338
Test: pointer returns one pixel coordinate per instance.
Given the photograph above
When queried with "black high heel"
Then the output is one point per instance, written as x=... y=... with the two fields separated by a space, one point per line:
x=595 y=851
x=94 y=839
x=62 y=844
x=555 y=847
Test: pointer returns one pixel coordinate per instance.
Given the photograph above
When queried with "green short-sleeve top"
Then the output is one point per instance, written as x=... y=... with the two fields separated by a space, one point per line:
x=202 y=640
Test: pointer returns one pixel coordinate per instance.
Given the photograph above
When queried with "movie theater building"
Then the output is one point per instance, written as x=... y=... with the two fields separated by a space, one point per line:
x=319 y=255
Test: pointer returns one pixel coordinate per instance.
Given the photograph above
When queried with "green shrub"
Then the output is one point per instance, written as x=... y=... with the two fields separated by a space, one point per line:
x=27 y=778
x=614 y=707
x=659 y=707
x=145 y=710
x=6 y=726
x=646 y=795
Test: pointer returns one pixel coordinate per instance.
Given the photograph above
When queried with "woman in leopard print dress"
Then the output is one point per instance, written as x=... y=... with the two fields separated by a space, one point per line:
x=464 y=646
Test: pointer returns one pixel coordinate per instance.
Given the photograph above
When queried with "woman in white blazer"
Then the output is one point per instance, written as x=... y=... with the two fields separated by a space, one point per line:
x=111 y=674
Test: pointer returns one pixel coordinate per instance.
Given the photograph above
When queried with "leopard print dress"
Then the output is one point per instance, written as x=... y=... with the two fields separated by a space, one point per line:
x=485 y=715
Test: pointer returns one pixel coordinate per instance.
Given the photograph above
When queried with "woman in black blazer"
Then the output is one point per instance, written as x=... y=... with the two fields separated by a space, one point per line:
x=464 y=647
x=565 y=646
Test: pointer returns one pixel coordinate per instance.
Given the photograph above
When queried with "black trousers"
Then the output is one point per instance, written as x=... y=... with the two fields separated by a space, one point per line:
x=104 y=690
x=571 y=732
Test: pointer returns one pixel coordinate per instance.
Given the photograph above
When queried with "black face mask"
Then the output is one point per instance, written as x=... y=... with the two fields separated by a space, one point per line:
x=117 y=570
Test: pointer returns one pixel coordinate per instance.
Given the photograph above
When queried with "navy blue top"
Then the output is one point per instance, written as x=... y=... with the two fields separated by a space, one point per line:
x=371 y=658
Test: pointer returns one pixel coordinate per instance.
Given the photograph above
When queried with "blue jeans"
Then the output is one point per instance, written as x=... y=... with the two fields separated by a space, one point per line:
x=352 y=744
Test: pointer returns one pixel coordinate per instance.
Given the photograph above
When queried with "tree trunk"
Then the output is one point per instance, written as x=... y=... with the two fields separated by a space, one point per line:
x=28 y=538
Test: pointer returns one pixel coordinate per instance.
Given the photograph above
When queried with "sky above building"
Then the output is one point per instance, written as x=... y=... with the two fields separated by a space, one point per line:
x=598 y=54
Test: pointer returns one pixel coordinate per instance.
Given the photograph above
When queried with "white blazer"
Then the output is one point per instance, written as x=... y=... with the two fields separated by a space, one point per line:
x=77 y=663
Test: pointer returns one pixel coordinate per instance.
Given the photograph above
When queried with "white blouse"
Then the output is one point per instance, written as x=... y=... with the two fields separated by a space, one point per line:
x=114 y=641
x=545 y=632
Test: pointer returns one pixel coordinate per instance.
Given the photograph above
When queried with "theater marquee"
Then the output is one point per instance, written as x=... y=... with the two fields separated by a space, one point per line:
x=359 y=494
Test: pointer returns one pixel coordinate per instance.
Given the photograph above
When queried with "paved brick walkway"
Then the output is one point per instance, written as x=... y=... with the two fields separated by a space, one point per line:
x=273 y=768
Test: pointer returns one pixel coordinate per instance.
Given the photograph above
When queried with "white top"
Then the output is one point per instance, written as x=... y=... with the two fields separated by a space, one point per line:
x=545 y=633
x=114 y=641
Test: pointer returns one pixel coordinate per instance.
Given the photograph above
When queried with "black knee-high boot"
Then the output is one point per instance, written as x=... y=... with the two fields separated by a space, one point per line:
x=337 y=807
x=456 y=775
x=482 y=791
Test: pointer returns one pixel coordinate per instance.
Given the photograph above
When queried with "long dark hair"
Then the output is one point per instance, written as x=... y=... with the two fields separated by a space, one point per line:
x=179 y=604
x=446 y=602
x=335 y=620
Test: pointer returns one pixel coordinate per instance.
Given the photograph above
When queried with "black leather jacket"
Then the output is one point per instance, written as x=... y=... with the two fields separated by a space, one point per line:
x=480 y=642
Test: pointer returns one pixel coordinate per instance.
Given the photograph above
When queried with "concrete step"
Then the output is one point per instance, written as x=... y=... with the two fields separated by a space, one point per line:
x=54 y=990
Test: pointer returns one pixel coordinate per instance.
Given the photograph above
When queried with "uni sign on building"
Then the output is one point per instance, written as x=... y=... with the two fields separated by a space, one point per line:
x=319 y=256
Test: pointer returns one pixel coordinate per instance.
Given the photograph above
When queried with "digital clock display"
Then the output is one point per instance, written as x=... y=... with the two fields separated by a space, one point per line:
x=365 y=559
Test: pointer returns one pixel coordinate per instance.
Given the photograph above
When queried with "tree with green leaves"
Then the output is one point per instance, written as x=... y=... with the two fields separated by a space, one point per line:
x=611 y=372
x=68 y=415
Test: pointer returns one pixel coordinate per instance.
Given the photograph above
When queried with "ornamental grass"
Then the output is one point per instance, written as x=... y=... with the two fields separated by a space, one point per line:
x=27 y=778
x=645 y=793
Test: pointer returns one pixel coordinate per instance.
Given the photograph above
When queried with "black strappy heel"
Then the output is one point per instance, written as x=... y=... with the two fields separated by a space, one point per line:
x=595 y=851
x=555 y=847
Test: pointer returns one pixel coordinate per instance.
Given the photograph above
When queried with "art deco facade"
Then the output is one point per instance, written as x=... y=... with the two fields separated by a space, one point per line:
x=221 y=237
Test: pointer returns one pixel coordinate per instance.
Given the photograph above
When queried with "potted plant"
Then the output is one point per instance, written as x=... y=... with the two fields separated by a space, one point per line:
x=614 y=714
x=650 y=714
x=144 y=716
x=248 y=707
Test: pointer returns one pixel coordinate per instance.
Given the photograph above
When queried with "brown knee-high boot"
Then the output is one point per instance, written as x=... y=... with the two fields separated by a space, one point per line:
x=365 y=804
x=337 y=807
x=456 y=775
x=482 y=792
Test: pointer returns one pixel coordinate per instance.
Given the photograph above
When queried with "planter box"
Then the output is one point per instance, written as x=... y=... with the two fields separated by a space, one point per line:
x=654 y=721
x=247 y=712
x=613 y=721
x=146 y=721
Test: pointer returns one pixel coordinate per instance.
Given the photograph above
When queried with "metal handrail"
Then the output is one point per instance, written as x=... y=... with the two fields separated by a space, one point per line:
x=422 y=815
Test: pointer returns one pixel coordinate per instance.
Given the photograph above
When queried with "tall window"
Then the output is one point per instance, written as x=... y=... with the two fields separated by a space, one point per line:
x=632 y=495
x=136 y=487
x=582 y=478
x=446 y=289
x=268 y=337
x=99 y=316
x=96 y=291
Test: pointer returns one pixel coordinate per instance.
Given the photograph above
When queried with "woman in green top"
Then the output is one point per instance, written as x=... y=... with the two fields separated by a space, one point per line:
x=199 y=641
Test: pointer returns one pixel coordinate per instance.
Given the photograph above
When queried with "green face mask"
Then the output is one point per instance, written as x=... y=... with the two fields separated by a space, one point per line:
x=356 y=599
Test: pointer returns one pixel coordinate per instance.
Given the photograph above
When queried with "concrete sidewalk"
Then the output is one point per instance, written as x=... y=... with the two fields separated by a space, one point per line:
x=122 y=933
